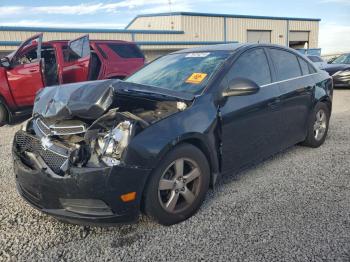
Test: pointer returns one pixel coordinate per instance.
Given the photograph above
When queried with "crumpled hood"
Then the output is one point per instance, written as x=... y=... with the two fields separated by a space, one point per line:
x=88 y=100
x=333 y=68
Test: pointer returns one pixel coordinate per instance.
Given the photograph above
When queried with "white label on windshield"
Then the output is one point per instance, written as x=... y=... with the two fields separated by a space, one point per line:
x=197 y=55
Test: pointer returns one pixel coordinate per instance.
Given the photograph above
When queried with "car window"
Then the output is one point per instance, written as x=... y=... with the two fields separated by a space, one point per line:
x=304 y=66
x=315 y=58
x=77 y=49
x=286 y=64
x=126 y=51
x=184 y=72
x=343 y=59
x=252 y=65
x=28 y=54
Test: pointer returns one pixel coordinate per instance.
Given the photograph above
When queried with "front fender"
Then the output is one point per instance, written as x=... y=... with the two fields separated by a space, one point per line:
x=5 y=91
x=197 y=124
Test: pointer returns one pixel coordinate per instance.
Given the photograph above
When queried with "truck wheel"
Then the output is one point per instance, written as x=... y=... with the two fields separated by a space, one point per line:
x=178 y=186
x=3 y=115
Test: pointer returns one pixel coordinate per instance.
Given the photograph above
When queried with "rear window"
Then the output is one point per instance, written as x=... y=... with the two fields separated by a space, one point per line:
x=126 y=51
x=315 y=59
x=286 y=63
x=304 y=66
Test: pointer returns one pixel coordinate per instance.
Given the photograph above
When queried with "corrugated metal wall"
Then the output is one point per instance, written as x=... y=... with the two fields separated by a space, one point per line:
x=195 y=28
x=200 y=28
x=237 y=29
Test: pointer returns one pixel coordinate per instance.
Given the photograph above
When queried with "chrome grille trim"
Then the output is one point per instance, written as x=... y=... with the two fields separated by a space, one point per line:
x=49 y=130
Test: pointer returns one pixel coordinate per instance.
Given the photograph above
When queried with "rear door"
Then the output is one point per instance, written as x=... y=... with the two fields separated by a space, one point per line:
x=76 y=60
x=25 y=76
x=296 y=84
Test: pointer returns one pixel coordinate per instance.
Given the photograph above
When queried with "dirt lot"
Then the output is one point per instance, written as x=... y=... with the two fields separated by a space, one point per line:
x=294 y=206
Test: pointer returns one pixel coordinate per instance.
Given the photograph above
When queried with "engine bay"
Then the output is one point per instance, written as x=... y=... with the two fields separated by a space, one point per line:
x=58 y=144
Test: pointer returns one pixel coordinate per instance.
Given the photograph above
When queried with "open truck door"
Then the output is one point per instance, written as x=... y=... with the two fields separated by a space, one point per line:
x=25 y=71
x=76 y=60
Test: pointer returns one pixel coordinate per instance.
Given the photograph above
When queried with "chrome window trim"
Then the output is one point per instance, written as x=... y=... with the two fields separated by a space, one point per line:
x=289 y=79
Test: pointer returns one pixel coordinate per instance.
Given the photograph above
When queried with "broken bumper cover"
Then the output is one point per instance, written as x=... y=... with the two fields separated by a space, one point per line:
x=86 y=196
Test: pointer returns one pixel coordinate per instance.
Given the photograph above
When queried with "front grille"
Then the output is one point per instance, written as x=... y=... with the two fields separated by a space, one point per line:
x=67 y=130
x=43 y=127
x=60 y=129
x=29 y=143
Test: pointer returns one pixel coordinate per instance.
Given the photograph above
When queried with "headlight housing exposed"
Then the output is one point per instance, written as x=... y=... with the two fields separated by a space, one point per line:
x=110 y=146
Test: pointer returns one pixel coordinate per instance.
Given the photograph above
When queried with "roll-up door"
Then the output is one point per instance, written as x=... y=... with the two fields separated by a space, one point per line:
x=298 y=36
x=258 y=36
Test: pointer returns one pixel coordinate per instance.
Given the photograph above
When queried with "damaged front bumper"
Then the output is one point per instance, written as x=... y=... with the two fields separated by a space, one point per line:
x=86 y=195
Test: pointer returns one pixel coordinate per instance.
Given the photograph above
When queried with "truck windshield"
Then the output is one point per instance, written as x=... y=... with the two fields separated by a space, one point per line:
x=184 y=72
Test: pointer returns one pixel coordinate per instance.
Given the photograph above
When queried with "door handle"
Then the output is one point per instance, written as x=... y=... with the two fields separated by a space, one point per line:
x=33 y=70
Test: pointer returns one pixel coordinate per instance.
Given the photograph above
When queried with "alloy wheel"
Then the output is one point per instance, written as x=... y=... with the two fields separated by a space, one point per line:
x=179 y=185
x=320 y=124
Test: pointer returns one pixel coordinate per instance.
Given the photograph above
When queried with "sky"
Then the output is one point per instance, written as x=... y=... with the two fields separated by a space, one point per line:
x=334 y=27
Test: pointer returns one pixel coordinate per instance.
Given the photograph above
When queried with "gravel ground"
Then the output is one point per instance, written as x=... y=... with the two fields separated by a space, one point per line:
x=292 y=207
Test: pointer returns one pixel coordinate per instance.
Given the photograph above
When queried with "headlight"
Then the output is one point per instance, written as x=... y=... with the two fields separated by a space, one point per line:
x=112 y=145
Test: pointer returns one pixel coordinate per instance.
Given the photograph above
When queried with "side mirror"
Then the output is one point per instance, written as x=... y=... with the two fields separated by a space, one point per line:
x=5 y=62
x=241 y=87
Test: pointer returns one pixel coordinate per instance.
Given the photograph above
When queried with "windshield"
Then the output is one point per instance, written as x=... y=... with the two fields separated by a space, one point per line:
x=343 y=59
x=184 y=72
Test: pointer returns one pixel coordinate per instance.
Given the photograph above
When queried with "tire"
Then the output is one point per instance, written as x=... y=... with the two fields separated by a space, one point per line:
x=316 y=138
x=187 y=194
x=3 y=115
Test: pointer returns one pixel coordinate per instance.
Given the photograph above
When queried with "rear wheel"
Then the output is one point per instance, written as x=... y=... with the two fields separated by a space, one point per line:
x=3 y=115
x=178 y=186
x=318 y=126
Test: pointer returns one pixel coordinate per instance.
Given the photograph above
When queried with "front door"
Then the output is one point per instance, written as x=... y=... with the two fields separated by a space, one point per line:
x=250 y=124
x=76 y=60
x=25 y=74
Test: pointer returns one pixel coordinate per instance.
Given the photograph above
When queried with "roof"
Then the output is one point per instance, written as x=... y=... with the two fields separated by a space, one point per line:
x=233 y=47
x=223 y=15
x=86 y=30
x=220 y=47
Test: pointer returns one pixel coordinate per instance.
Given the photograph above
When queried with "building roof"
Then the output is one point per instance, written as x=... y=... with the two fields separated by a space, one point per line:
x=222 y=15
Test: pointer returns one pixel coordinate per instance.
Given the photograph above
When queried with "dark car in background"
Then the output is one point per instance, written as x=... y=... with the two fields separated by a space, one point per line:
x=99 y=152
x=318 y=61
x=339 y=69
x=36 y=64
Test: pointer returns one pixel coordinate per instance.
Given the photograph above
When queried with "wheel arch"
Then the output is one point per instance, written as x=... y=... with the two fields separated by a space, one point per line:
x=326 y=100
x=3 y=102
x=199 y=142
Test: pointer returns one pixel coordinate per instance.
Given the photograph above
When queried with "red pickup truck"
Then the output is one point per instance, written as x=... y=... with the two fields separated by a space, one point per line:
x=36 y=64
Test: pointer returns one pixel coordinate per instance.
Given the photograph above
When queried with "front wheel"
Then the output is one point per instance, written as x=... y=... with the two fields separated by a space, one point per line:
x=3 y=115
x=318 y=126
x=177 y=188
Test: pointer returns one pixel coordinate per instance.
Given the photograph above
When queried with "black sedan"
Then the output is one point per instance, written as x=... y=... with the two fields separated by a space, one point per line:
x=339 y=69
x=99 y=152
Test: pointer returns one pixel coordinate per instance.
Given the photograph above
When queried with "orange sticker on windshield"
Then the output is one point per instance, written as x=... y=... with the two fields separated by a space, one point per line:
x=196 y=78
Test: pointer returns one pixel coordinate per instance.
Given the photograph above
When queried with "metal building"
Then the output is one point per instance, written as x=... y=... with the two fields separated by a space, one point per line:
x=158 y=34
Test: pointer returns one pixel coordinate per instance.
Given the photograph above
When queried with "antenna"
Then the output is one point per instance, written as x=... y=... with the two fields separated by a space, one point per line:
x=170 y=3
